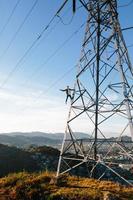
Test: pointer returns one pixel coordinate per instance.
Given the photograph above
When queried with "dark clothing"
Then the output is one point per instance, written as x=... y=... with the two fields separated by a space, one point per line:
x=68 y=93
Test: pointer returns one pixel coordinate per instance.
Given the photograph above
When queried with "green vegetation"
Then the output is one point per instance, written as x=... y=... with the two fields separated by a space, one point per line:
x=26 y=185
x=38 y=186
x=32 y=159
x=13 y=159
x=44 y=150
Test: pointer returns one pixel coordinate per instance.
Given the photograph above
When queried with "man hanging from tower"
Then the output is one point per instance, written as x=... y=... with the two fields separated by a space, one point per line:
x=68 y=91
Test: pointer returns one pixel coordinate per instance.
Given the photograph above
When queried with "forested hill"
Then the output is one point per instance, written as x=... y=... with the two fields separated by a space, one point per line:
x=13 y=159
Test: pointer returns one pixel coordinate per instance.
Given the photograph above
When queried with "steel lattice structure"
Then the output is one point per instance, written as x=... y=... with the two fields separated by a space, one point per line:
x=102 y=96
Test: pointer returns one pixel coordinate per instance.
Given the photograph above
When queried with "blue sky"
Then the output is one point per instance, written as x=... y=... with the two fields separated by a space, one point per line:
x=26 y=103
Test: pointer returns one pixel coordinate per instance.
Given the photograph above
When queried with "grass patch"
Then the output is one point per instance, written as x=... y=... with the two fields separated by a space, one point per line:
x=37 y=186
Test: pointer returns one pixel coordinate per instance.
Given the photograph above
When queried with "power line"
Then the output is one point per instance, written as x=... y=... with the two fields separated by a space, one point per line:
x=19 y=28
x=71 y=19
x=56 y=51
x=63 y=75
x=9 y=18
x=125 y=5
x=53 y=84
x=131 y=45
x=50 y=31
x=32 y=45
x=46 y=35
x=64 y=23
x=59 y=48
x=127 y=28
x=53 y=27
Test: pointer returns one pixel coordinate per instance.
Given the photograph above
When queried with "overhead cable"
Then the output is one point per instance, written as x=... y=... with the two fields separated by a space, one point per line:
x=125 y=5
x=55 y=52
x=9 y=18
x=56 y=82
x=19 y=28
x=53 y=84
x=64 y=23
x=127 y=28
x=31 y=46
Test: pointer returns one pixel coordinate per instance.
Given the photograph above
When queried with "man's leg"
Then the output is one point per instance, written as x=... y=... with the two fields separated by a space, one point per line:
x=66 y=99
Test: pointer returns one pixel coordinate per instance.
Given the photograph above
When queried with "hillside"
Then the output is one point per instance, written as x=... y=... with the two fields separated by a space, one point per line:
x=13 y=159
x=43 y=134
x=23 y=139
x=25 y=186
x=33 y=159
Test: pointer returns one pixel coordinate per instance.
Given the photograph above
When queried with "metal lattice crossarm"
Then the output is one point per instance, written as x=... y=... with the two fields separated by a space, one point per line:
x=103 y=97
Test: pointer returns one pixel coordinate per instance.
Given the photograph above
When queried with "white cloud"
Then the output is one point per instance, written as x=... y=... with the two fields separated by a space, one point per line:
x=47 y=113
x=27 y=113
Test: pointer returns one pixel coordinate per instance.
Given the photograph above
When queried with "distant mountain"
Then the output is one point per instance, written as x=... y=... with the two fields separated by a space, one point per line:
x=47 y=135
x=23 y=139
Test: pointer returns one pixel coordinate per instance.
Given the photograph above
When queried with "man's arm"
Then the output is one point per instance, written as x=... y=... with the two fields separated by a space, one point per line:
x=63 y=90
x=71 y=89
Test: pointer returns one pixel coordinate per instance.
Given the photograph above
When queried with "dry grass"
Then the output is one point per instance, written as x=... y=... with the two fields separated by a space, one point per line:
x=35 y=186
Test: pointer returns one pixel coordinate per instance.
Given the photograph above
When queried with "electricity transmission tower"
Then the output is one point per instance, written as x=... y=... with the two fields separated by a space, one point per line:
x=102 y=99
